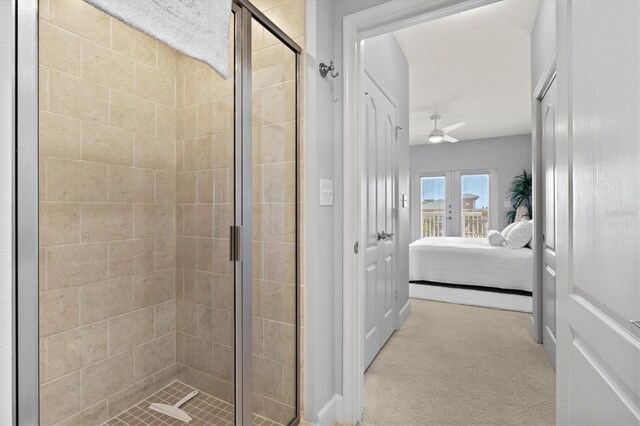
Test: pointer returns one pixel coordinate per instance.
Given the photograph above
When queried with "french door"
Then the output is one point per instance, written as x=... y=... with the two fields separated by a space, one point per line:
x=457 y=203
x=436 y=205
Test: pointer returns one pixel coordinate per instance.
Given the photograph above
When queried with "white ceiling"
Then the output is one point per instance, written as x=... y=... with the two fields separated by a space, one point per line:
x=473 y=66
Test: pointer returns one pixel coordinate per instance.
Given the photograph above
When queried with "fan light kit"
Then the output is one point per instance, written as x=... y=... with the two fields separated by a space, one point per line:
x=439 y=135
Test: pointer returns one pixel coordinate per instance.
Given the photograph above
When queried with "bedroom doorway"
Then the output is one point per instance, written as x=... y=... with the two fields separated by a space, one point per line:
x=463 y=192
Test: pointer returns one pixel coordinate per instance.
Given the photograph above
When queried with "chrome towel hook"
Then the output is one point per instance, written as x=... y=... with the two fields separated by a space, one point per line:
x=328 y=69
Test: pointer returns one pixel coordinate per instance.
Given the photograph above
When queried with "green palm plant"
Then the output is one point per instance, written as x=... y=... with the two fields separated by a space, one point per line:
x=519 y=194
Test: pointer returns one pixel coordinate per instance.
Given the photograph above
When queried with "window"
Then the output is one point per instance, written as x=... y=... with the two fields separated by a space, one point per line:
x=474 y=190
x=432 y=206
x=454 y=203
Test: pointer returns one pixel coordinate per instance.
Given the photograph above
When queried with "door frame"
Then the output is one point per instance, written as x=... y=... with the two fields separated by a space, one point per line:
x=387 y=17
x=546 y=78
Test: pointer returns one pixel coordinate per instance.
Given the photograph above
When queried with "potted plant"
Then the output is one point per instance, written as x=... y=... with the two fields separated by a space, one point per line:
x=519 y=194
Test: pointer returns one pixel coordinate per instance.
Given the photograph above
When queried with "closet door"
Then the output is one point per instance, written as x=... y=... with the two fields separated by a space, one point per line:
x=549 y=223
x=380 y=248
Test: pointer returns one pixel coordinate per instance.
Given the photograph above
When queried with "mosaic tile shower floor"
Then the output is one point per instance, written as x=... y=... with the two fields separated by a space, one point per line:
x=203 y=408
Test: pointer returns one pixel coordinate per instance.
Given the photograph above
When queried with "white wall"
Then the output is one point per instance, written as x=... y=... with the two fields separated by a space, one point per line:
x=384 y=56
x=509 y=155
x=6 y=208
x=323 y=243
x=543 y=39
x=319 y=234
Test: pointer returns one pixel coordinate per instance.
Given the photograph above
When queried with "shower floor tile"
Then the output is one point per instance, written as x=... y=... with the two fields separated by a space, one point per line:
x=203 y=408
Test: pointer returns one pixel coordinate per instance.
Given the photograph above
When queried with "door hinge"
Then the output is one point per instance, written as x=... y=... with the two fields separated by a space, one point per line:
x=356 y=248
x=396 y=295
x=235 y=243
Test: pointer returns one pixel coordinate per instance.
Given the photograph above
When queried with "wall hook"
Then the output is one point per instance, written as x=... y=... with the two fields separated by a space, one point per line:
x=328 y=69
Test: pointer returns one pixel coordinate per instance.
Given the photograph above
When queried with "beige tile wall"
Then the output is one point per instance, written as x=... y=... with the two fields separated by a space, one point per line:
x=274 y=210
x=136 y=202
x=205 y=286
x=107 y=214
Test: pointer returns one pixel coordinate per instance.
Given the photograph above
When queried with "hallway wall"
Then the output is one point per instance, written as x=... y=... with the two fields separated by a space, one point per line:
x=323 y=267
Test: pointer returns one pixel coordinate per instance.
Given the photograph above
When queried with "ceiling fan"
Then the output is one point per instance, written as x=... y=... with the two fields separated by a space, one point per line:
x=439 y=135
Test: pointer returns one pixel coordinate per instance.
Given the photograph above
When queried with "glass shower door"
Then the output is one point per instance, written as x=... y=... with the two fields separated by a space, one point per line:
x=274 y=205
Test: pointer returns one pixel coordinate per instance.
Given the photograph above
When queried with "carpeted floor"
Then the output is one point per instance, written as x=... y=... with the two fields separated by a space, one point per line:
x=460 y=365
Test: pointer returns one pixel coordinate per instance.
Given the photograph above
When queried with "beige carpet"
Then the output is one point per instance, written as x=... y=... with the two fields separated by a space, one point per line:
x=460 y=365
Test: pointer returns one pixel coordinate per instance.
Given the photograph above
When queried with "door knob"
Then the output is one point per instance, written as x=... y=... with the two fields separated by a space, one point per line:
x=383 y=235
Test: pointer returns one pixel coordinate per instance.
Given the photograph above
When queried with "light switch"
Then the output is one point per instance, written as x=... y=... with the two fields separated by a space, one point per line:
x=326 y=192
x=405 y=200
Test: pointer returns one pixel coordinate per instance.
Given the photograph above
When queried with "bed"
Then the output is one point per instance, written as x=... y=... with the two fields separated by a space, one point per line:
x=471 y=271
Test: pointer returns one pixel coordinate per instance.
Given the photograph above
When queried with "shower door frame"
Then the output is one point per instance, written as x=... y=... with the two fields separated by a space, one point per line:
x=25 y=285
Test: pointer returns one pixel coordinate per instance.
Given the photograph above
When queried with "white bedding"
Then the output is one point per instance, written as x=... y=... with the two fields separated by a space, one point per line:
x=470 y=261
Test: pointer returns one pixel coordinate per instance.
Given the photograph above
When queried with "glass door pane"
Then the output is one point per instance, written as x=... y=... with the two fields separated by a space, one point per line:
x=136 y=200
x=474 y=201
x=433 y=206
x=274 y=170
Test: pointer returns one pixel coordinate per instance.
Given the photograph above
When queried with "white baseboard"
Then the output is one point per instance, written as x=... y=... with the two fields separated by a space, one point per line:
x=404 y=313
x=327 y=414
x=485 y=299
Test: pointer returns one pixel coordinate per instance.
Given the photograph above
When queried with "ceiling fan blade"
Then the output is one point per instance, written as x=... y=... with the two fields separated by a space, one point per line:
x=453 y=127
x=448 y=138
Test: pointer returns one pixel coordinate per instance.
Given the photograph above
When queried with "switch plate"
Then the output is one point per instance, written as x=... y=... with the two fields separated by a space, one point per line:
x=507 y=204
x=405 y=200
x=326 y=192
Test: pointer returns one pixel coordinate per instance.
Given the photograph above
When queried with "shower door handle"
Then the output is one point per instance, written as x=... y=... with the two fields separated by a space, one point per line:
x=235 y=243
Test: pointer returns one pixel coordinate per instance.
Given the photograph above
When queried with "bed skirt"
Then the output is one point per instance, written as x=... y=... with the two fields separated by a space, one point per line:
x=486 y=297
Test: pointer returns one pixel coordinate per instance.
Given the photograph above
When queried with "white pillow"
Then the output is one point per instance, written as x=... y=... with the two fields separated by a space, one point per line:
x=505 y=231
x=520 y=235
x=495 y=238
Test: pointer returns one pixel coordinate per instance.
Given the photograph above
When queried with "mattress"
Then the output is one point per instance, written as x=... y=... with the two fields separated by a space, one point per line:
x=470 y=261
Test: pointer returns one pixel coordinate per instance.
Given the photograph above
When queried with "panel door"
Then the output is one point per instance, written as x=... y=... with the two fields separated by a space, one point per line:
x=598 y=345
x=548 y=105
x=380 y=136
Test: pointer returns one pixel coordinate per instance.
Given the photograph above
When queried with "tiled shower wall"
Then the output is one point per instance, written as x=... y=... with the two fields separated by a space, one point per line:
x=136 y=201
x=107 y=214
x=205 y=285
x=274 y=209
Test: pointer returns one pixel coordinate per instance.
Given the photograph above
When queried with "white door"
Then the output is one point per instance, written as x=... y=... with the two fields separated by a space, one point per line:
x=548 y=108
x=433 y=214
x=380 y=287
x=598 y=212
x=474 y=203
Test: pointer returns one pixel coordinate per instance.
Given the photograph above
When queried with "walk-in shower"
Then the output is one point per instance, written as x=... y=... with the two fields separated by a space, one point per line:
x=168 y=221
